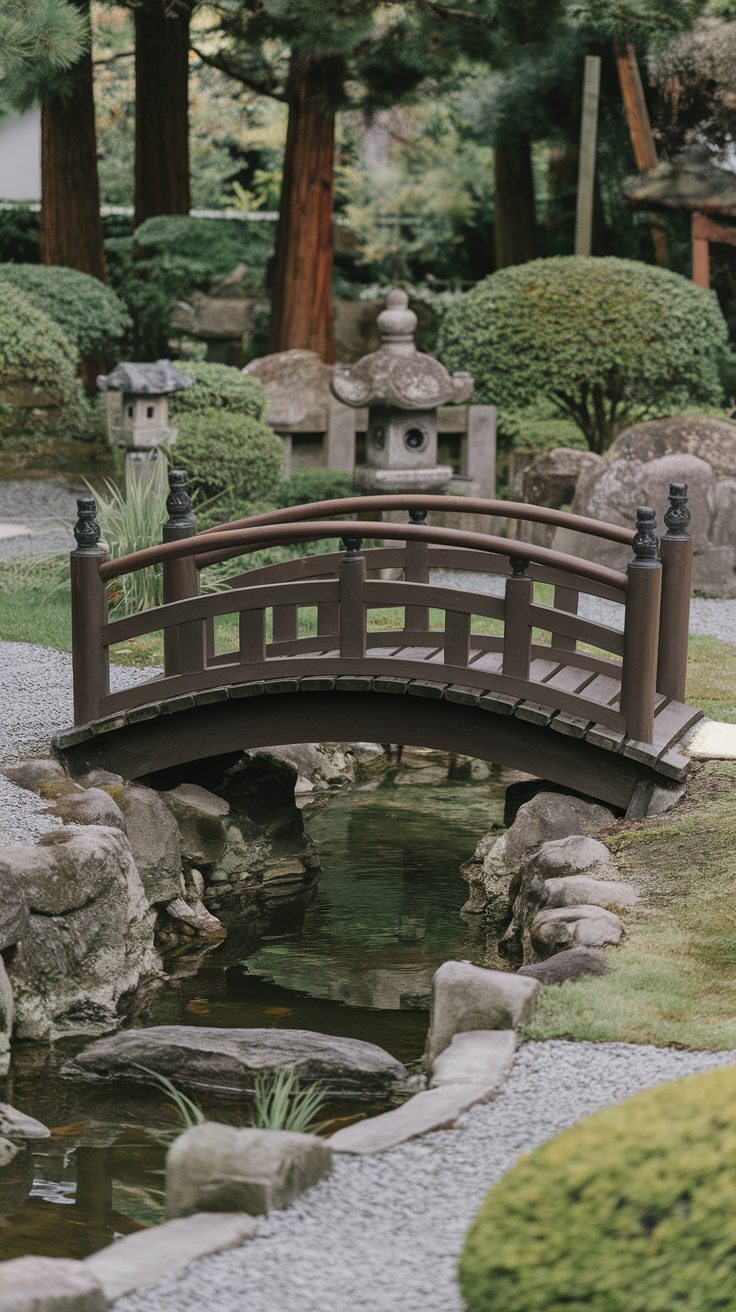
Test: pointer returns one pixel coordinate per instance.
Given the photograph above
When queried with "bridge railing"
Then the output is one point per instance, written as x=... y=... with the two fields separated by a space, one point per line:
x=619 y=683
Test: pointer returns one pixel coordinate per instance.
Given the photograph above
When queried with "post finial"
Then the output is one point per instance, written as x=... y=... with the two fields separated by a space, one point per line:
x=352 y=545
x=677 y=515
x=417 y=515
x=87 y=530
x=179 y=502
x=645 y=544
x=519 y=566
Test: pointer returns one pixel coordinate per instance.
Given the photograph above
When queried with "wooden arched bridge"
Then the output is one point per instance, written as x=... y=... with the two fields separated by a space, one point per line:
x=522 y=678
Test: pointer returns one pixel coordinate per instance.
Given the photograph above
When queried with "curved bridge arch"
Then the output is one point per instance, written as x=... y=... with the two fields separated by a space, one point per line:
x=466 y=668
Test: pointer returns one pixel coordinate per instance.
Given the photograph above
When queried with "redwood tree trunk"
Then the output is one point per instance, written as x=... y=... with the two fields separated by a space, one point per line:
x=161 y=109
x=71 y=226
x=301 y=299
x=515 y=227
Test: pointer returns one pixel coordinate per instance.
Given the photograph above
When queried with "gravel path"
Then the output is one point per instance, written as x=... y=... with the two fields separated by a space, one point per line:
x=36 y=702
x=383 y=1234
x=45 y=511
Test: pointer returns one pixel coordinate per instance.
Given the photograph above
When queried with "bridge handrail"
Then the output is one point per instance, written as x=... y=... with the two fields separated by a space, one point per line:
x=241 y=541
x=655 y=592
x=519 y=510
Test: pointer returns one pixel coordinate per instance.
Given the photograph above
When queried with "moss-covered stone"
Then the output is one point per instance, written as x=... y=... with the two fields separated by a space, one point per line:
x=632 y=1210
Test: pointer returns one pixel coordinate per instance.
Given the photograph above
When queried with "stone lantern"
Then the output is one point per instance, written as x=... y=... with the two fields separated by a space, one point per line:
x=139 y=422
x=402 y=388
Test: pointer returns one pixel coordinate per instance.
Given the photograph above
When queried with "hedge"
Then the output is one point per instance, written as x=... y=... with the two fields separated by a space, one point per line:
x=632 y=1210
x=40 y=394
x=229 y=456
x=171 y=256
x=604 y=339
x=316 y=484
x=218 y=387
x=89 y=313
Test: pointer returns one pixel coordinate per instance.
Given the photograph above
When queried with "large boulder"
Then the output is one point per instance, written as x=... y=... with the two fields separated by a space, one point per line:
x=199 y=815
x=7 y=1014
x=467 y=997
x=217 y=1168
x=573 y=963
x=559 y=928
x=233 y=1059
x=614 y=492
x=154 y=840
x=713 y=440
x=89 y=806
x=297 y=384
x=549 y=816
x=575 y=855
x=89 y=936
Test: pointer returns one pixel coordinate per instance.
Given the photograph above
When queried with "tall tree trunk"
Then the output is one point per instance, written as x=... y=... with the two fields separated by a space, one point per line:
x=515 y=229
x=161 y=109
x=301 y=299
x=71 y=226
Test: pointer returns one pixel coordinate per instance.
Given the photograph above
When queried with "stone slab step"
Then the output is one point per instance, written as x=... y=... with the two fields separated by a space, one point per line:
x=475 y=1057
x=434 y=1109
x=163 y=1251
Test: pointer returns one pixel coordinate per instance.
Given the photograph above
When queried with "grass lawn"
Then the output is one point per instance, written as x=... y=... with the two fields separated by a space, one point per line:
x=674 y=980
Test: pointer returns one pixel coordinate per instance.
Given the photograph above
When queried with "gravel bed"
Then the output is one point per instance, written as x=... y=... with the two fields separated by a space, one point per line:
x=40 y=503
x=383 y=1233
x=36 y=702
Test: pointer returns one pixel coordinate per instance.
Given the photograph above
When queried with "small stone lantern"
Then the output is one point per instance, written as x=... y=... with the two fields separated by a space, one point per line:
x=140 y=421
x=402 y=388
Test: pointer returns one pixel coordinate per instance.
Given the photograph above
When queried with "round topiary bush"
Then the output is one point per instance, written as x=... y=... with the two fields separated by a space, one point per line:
x=233 y=456
x=93 y=318
x=218 y=387
x=606 y=340
x=40 y=394
x=632 y=1210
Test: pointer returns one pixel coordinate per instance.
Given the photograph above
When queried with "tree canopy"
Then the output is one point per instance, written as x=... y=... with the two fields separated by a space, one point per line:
x=37 y=38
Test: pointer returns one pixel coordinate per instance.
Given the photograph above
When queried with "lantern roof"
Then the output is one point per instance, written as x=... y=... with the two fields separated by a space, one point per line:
x=397 y=373
x=141 y=379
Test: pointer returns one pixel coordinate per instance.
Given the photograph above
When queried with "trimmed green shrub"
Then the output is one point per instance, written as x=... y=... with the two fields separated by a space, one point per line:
x=229 y=456
x=171 y=256
x=603 y=339
x=218 y=387
x=40 y=395
x=307 y=485
x=631 y=1210
x=90 y=314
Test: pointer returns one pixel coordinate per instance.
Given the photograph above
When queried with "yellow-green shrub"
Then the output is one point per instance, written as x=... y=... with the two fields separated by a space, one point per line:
x=632 y=1210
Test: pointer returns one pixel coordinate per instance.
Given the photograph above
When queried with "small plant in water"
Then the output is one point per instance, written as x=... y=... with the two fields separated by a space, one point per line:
x=190 y=1112
x=281 y=1104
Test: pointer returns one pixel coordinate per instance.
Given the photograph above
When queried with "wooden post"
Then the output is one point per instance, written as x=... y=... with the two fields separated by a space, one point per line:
x=90 y=658
x=586 y=159
x=517 y=633
x=184 y=646
x=700 y=251
x=352 y=604
x=640 y=133
x=676 y=553
x=567 y=599
x=416 y=618
x=641 y=630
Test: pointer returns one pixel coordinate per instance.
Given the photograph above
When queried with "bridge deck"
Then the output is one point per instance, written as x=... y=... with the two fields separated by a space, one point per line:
x=672 y=718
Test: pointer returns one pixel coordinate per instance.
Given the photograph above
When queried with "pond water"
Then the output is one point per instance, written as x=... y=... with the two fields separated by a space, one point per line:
x=387 y=913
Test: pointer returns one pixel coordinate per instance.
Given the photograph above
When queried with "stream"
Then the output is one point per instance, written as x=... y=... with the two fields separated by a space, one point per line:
x=386 y=914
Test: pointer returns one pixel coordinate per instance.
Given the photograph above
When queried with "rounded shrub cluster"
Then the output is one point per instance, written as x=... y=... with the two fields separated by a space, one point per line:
x=93 y=318
x=317 y=484
x=39 y=391
x=606 y=340
x=218 y=387
x=632 y=1210
x=230 y=456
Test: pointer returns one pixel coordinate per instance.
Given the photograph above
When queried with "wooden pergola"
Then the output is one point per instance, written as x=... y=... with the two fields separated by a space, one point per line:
x=696 y=184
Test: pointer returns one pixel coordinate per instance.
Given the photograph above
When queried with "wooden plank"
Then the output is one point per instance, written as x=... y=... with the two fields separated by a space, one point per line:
x=671 y=721
x=465 y=558
x=381 y=593
x=570 y=678
x=252 y=628
x=572 y=726
x=611 y=740
x=457 y=637
x=559 y=621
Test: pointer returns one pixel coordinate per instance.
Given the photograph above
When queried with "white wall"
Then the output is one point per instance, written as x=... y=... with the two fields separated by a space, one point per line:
x=20 y=157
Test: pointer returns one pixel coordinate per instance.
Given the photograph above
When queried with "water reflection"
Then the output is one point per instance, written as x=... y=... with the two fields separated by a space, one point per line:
x=386 y=915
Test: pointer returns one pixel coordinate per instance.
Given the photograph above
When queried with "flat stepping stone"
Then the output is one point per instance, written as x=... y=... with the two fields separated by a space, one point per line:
x=161 y=1252
x=434 y=1109
x=476 y=1057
